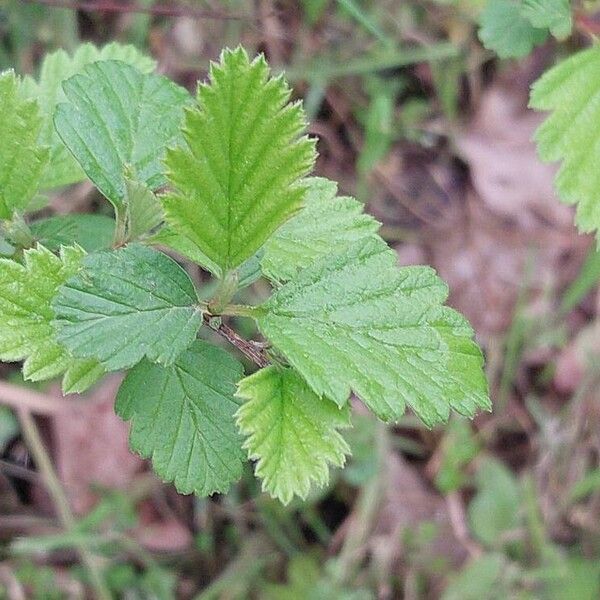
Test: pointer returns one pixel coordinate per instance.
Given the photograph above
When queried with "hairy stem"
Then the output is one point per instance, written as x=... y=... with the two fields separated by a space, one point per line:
x=226 y=289
x=59 y=498
x=248 y=348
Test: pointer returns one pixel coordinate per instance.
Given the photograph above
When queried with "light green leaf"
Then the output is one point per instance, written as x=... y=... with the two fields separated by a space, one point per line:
x=506 y=30
x=240 y=175
x=554 y=15
x=126 y=304
x=327 y=224
x=22 y=159
x=354 y=321
x=91 y=232
x=26 y=332
x=56 y=68
x=144 y=211
x=572 y=132
x=292 y=432
x=117 y=122
x=182 y=417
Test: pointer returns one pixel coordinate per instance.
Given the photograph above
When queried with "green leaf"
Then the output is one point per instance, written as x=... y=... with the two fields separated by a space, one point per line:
x=91 y=232
x=22 y=160
x=292 y=433
x=126 y=304
x=572 y=132
x=507 y=31
x=327 y=224
x=554 y=15
x=26 y=332
x=354 y=321
x=144 y=211
x=239 y=176
x=182 y=417
x=117 y=123
x=56 y=68
x=494 y=510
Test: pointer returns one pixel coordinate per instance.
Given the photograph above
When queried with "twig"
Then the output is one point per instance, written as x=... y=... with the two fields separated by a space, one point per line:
x=110 y=6
x=19 y=397
x=59 y=498
x=248 y=348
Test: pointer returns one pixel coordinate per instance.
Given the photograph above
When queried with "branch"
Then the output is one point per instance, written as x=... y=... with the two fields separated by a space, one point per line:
x=111 y=6
x=248 y=348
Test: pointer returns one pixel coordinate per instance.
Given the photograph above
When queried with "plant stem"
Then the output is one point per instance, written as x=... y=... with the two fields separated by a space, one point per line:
x=226 y=289
x=248 y=348
x=59 y=498
x=239 y=310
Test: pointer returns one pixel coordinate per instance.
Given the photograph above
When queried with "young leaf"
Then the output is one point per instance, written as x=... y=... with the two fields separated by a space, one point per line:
x=326 y=224
x=572 y=132
x=507 y=31
x=292 y=432
x=239 y=176
x=182 y=417
x=126 y=304
x=56 y=68
x=22 y=160
x=118 y=121
x=26 y=332
x=354 y=321
x=91 y=232
x=554 y=15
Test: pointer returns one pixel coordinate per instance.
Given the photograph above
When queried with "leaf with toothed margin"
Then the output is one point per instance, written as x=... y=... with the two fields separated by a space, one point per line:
x=554 y=15
x=182 y=417
x=354 y=321
x=117 y=122
x=47 y=90
x=22 y=159
x=127 y=304
x=240 y=173
x=327 y=223
x=571 y=132
x=26 y=332
x=507 y=31
x=291 y=432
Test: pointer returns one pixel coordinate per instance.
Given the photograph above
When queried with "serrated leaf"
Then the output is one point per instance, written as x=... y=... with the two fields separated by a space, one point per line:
x=326 y=224
x=117 y=123
x=507 y=31
x=291 y=432
x=56 y=68
x=354 y=321
x=182 y=417
x=91 y=232
x=144 y=211
x=125 y=305
x=572 y=132
x=554 y=15
x=22 y=159
x=26 y=332
x=239 y=176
